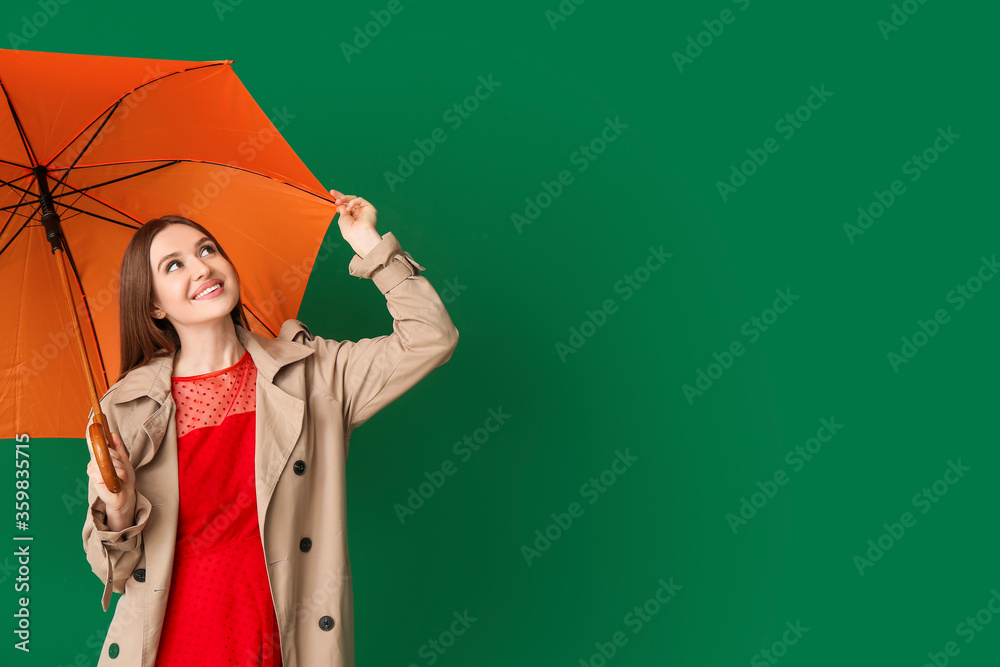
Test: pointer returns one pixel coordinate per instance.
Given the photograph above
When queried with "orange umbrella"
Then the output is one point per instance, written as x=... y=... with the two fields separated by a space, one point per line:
x=91 y=147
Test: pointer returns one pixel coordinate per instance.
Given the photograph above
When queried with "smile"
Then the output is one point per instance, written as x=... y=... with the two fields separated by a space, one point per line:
x=210 y=293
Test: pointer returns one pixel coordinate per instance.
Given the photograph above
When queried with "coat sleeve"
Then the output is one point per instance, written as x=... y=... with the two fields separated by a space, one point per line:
x=367 y=375
x=112 y=554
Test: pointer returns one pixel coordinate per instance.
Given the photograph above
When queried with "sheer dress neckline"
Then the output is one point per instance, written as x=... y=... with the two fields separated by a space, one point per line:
x=188 y=378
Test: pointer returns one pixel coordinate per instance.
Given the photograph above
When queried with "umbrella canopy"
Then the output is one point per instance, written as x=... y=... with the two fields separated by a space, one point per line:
x=117 y=142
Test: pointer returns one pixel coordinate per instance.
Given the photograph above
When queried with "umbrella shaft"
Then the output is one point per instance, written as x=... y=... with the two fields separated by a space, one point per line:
x=50 y=218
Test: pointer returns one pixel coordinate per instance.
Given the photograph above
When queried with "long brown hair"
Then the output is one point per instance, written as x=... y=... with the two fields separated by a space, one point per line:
x=142 y=336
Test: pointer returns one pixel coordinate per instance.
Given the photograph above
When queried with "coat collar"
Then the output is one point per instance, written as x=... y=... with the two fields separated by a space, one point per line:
x=154 y=380
x=269 y=355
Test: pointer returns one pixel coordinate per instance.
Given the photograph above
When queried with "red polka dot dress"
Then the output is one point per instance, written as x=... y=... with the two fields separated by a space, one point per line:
x=220 y=611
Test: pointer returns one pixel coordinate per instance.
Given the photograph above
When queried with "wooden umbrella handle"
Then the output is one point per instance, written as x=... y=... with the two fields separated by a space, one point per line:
x=99 y=438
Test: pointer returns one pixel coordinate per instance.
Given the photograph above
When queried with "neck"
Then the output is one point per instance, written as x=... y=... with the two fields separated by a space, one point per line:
x=207 y=349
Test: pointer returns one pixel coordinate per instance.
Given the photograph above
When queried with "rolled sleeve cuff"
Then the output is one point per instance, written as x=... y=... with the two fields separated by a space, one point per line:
x=127 y=538
x=387 y=264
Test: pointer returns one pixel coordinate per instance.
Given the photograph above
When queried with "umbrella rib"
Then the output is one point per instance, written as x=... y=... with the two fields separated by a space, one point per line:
x=20 y=128
x=86 y=305
x=30 y=217
x=247 y=308
x=17 y=187
x=98 y=215
x=115 y=209
x=122 y=98
x=89 y=142
x=11 y=217
x=17 y=206
x=177 y=160
x=115 y=180
x=13 y=164
x=83 y=190
x=103 y=203
x=26 y=222
x=64 y=218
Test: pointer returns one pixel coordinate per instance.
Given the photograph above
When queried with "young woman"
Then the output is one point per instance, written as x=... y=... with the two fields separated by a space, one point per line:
x=229 y=537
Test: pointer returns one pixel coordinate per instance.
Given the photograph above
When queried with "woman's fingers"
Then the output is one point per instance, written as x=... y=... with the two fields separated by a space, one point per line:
x=94 y=471
x=123 y=459
x=119 y=459
x=340 y=198
x=115 y=454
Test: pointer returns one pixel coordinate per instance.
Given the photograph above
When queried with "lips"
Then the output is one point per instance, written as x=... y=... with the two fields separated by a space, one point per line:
x=205 y=286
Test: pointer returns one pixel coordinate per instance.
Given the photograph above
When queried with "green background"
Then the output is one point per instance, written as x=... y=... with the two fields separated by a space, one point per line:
x=515 y=293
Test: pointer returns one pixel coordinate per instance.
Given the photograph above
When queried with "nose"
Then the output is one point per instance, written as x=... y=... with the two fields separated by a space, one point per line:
x=199 y=269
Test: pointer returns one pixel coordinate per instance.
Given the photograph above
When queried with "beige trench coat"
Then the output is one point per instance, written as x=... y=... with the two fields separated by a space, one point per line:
x=311 y=394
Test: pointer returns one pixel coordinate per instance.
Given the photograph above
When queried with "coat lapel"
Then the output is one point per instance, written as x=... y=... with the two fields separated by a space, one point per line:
x=280 y=411
x=280 y=407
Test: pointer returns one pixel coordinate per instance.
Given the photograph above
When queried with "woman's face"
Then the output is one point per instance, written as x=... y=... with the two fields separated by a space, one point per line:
x=184 y=263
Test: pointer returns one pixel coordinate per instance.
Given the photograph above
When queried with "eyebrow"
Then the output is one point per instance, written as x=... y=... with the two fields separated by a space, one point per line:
x=178 y=254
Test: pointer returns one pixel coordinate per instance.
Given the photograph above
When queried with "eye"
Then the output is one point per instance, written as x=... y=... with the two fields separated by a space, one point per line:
x=207 y=246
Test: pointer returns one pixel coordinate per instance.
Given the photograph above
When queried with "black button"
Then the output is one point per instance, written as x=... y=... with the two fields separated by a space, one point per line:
x=299 y=467
x=306 y=544
x=139 y=575
x=326 y=623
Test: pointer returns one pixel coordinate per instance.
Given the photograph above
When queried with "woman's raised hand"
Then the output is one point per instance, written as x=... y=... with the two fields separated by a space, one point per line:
x=357 y=221
x=356 y=212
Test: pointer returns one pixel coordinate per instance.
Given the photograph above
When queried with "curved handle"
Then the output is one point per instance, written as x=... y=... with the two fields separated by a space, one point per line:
x=99 y=443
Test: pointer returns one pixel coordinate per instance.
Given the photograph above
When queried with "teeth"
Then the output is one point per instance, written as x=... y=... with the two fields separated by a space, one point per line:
x=208 y=291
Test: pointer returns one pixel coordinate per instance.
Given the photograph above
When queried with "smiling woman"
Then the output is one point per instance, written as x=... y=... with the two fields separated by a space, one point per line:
x=231 y=448
x=169 y=263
